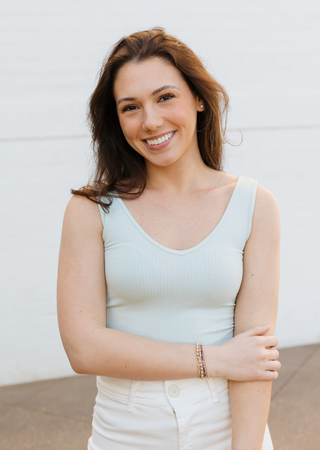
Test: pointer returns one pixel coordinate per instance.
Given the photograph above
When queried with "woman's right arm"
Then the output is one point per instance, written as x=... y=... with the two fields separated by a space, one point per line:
x=94 y=349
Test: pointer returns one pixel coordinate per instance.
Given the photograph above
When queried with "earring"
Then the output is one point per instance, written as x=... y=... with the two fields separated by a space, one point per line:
x=201 y=106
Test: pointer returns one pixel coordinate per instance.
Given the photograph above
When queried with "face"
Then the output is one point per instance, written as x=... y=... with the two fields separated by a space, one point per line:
x=157 y=111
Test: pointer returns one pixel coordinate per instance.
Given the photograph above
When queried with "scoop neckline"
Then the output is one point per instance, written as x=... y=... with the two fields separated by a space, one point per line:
x=188 y=250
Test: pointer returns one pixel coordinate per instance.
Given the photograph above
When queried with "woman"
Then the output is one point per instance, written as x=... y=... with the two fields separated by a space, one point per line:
x=172 y=246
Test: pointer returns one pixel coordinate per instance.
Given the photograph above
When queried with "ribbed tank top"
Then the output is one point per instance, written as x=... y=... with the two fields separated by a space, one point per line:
x=170 y=295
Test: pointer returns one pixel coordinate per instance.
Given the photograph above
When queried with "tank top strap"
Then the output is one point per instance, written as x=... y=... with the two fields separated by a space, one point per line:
x=242 y=209
x=103 y=215
x=113 y=224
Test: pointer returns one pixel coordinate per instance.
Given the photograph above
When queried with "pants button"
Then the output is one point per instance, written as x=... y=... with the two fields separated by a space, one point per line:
x=174 y=391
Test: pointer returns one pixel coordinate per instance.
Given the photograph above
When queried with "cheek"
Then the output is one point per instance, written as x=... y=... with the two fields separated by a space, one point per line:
x=129 y=129
x=184 y=115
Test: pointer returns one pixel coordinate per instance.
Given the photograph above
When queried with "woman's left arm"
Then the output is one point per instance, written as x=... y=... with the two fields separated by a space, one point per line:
x=257 y=304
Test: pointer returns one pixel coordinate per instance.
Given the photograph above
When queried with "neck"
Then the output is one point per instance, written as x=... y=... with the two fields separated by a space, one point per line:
x=182 y=177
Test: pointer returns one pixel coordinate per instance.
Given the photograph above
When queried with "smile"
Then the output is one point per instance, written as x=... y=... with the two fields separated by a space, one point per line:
x=161 y=139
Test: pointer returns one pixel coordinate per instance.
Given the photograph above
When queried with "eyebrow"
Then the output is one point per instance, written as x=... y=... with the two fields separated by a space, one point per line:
x=157 y=91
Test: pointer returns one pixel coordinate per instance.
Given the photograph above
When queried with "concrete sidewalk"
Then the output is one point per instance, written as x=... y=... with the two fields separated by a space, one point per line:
x=56 y=414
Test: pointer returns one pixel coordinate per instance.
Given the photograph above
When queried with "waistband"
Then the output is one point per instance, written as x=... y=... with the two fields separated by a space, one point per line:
x=159 y=392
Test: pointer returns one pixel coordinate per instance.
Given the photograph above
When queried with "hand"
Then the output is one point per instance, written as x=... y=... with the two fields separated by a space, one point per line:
x=249 y=356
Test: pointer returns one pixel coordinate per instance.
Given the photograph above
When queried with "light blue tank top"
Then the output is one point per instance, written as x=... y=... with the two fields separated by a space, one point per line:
x=176 y=296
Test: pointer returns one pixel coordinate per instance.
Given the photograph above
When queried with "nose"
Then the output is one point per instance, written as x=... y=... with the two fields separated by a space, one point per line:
x=151 y=118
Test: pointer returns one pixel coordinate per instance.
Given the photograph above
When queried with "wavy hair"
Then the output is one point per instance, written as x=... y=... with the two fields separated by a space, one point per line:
x=119 y=169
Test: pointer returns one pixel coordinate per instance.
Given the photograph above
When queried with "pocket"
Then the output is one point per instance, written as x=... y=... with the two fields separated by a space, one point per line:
x=114 y=388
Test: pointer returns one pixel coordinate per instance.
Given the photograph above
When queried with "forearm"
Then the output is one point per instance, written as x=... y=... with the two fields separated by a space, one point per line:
x=98 y=350
x=114 y=353
x=250 y=402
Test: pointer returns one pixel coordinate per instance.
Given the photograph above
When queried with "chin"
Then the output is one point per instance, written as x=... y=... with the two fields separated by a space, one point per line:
x=165 y=161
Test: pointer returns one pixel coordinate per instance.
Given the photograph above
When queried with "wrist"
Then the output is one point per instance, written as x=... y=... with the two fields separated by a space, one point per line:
x=213 y=361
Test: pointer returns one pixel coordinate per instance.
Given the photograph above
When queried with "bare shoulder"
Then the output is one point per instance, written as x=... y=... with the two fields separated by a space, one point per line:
x=266 y=205
x=266 y=214
x=82 y=214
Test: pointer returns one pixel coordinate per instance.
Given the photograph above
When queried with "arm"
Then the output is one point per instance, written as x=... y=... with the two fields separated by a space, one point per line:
x=90 y=346
x=94 y=349
x=257 y=303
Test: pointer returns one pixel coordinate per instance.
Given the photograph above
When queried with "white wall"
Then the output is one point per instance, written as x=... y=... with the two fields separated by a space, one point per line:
x=266 y=54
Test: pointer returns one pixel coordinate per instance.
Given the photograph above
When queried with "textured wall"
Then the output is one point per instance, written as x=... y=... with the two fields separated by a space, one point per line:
x=266 y=54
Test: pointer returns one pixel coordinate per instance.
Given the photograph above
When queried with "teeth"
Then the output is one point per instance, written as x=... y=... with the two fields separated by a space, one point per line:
x=160 y=140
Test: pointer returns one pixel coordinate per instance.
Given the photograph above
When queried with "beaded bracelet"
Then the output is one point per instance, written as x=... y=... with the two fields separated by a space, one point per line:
x=202 y=364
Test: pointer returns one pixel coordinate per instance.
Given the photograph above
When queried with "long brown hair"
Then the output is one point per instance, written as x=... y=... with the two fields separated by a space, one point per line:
x=119 y=169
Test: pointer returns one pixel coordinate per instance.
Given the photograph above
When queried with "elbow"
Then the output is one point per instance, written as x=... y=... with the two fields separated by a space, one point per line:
x=76 y=354
x=78 y=367
x=77 y=362
x=81 y=354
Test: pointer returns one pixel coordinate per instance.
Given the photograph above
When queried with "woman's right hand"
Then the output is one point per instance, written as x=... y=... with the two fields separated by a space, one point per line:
x=249 y=356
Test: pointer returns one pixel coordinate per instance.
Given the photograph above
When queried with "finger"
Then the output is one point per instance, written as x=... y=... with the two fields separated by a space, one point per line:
x=274 y=365
x=270 y=341
x=269 y=375
x=258 y=330
x=272 y=354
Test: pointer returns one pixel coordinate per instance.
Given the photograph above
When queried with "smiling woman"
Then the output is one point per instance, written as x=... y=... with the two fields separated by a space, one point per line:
x=117 y=166
x=168 y=288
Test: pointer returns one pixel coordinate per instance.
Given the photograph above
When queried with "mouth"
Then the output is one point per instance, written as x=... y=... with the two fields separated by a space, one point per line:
x=156 y=142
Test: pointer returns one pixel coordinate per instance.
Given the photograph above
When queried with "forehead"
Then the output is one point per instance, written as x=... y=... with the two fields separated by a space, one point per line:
x=146 y=76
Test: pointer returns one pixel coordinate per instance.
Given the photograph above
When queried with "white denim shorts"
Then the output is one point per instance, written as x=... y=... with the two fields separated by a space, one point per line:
x=190 y=414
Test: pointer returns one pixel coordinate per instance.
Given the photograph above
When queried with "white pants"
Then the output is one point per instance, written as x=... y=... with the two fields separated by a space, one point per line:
x=191 y=414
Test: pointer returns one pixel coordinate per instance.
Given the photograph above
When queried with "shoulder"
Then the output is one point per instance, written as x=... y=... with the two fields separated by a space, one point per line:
x=266 y=205
x=82 y=207
x=266 y=208
x=82 y=214
x=266 y=214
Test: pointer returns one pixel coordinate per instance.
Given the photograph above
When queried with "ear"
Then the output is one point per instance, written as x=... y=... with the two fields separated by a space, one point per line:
x=200 y=105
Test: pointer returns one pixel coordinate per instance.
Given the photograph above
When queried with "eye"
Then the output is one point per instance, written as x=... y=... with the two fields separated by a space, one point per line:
x=129 y=108
x=166 y=97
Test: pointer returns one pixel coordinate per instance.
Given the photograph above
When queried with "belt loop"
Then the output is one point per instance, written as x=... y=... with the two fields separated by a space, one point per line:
x=213 y=390
x=132 y=392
